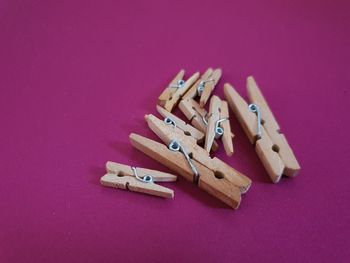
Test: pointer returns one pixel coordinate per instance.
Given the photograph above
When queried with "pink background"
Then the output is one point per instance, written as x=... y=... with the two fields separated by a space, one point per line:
x=77 y=78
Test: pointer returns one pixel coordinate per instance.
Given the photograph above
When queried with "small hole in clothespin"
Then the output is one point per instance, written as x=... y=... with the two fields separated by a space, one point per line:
x=120 y=174
x=275 y=148
x=187 y=133
x=219 y=175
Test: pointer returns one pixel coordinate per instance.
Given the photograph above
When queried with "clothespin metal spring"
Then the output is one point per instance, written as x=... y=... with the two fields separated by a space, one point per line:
x=174 y=145
x=180 y=84
x=201 y=85
x=170 y=121
x=218 y=130
x=145 y=179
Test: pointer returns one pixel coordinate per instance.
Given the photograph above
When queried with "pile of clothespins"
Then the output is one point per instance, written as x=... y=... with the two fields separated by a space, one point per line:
x=186 y=147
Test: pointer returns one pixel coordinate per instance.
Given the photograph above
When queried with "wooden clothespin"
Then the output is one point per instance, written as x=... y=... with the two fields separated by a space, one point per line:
x=189 y=130
x=204 y=86
x=173 y=93
x=263 y=130
x=137 y=179
x=188 y=159
x=219 y=125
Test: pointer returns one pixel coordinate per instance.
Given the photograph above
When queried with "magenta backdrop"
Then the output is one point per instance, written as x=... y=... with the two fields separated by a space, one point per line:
x=78 y=76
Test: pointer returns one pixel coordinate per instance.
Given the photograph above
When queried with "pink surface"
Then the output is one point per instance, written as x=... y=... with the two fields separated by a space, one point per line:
x=77 y=78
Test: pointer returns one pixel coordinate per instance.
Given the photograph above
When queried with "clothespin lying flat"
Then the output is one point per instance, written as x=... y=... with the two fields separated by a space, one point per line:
x=197 y=115
x=188 y=159
x=204 y=86
x=171 y=119
x=137 y=179
x=173 y=93
x=218 y=125
x=263 y=130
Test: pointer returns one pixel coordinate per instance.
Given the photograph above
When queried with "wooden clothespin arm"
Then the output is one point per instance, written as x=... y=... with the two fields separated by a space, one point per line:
x=173 y=96
x=209 y=87
x=123 y=177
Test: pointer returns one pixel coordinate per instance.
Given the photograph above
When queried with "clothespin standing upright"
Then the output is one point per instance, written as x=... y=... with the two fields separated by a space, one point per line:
x=137 y=179
x=263 y=130
x=176 y=89
x=188 y=159
x=219 y=125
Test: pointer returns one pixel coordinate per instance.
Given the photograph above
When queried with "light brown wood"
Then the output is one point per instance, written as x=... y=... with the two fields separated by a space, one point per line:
x=117 y=168
x=268 y=146
x=194 y=113
x=186 y=128
x=132 y=184
x=218 y=110
x=122 y=176
x=227 y=137
x=239 y=107
x=214 y=116
x=192 y=92
x=167 y=134
x=270 y=159
x=212 y=182
x=176 y=96
x=272 y=127
x=209 y=87
x=170 y=90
